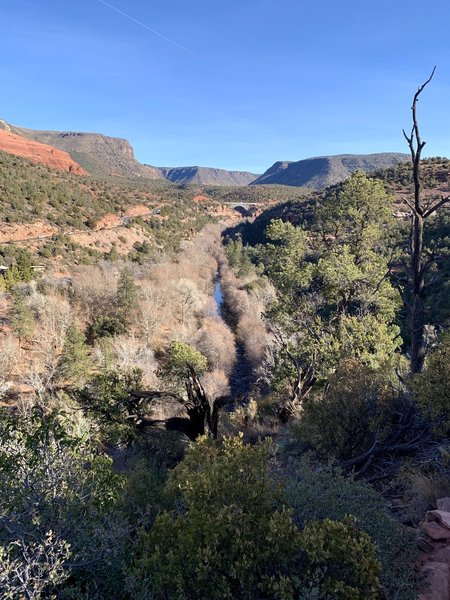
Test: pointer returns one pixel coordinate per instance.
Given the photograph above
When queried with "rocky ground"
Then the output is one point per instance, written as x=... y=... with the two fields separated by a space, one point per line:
x=435 y=559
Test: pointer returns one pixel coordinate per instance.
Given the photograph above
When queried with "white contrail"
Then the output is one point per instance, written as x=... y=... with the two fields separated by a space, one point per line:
x=127 y=16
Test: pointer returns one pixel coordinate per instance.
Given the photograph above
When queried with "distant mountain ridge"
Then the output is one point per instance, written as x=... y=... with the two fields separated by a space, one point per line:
x=322 y=171
x=106 y=156
x=207 y=176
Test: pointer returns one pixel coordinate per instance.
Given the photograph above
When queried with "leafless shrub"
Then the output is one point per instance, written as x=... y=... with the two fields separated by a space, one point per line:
x=216 y=341
x=9 y=362
x=215 y=384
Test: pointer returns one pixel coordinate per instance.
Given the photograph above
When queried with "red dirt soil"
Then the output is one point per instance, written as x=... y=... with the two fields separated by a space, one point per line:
x=39 y=153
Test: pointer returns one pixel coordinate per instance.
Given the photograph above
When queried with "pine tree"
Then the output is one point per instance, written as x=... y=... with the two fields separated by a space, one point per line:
x=74 y=363
x=127 y=295
x=22 y=321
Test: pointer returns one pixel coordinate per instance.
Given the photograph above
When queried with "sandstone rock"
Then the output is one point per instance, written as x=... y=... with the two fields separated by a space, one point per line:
x=440 y=516
x=442 y=555
x=438 y=582
x=443 y=504
x=435 y=531
x=138 y=210
x=39 y=153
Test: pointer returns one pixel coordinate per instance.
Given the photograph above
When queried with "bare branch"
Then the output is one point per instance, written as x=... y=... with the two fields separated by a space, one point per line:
x=438 y=205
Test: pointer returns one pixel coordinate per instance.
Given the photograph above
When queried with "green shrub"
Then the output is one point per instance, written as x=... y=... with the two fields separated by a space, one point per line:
x=105 y=326
x=342 y=421
x=105 y=398
x=229 y=535
x=346 y=556
x=179 y=357
x=319 y=493
x=431 y=388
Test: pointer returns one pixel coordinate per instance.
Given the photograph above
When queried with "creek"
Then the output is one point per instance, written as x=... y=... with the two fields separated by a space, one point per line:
x=218 y=298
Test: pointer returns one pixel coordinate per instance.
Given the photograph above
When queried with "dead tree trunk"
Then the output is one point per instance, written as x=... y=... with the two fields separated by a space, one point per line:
x=419 y=267
x=202 y=414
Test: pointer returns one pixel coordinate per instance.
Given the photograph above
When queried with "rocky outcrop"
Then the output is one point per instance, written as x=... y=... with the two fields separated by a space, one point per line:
x=99 y=154
x=20 y=232
x=435 y=560
x=39 y=153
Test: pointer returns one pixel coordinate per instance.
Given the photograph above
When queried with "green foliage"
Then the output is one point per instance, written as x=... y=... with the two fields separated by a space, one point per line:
x=431 y=388
x=74 y=365
x=179 y=356
x=369 y=339
x=231 y=542
x=59 y=500
x=20 y=269
x=333 y=296
x=346 y=556
x=105 y=326
x=127 y=294
x=351 y=285
x=113 y=255
x=106 y=399
x=355 y=214
x=322 y=493
x=353 y=411
x=283 y=257
x=21 y=317
x=231 y=537
x=238 y=257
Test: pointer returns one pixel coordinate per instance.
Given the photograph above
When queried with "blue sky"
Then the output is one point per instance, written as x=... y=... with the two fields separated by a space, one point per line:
x=261 y=80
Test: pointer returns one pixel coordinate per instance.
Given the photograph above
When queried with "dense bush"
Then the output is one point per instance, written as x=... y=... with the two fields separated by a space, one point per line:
x=432 y=387
x=105 y=326
x=105 y=398
x=320 y=492
x=60 y=509
x=345 y=419
x=179 y=357
x=230 y=536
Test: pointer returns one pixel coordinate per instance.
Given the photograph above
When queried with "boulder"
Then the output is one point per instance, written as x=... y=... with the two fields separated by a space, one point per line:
x=438 y=582
x=435 y=531
x=443 y=504
x=440 y=516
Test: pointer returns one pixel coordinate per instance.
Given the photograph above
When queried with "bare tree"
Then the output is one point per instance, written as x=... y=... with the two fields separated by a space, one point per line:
x=419 y=262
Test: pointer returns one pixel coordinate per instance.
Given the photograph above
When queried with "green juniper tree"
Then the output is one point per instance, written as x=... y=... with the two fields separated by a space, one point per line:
x=127 y=295
x=334 y=298
x=74 y=364
x=22 y=321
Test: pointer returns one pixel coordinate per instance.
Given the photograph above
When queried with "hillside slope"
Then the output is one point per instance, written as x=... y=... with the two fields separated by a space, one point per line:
x=106 y=156
x=206 y=176
x=38 y=153
x=97 y=153
x=323 y=171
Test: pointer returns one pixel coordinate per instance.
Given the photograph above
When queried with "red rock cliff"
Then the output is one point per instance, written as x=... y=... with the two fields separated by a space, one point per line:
x=39 y=153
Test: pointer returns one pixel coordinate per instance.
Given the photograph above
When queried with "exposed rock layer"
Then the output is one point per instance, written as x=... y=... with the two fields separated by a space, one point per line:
x=39 y=153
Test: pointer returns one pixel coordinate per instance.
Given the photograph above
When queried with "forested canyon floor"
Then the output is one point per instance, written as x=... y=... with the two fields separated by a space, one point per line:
x=319 y=432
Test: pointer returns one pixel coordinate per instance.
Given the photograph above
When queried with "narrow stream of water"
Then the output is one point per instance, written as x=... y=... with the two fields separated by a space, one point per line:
x=218 y=299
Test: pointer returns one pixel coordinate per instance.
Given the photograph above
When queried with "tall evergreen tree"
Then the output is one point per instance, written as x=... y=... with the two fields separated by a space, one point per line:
x=21 y=318
x=127 y=294
x=74 y=363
